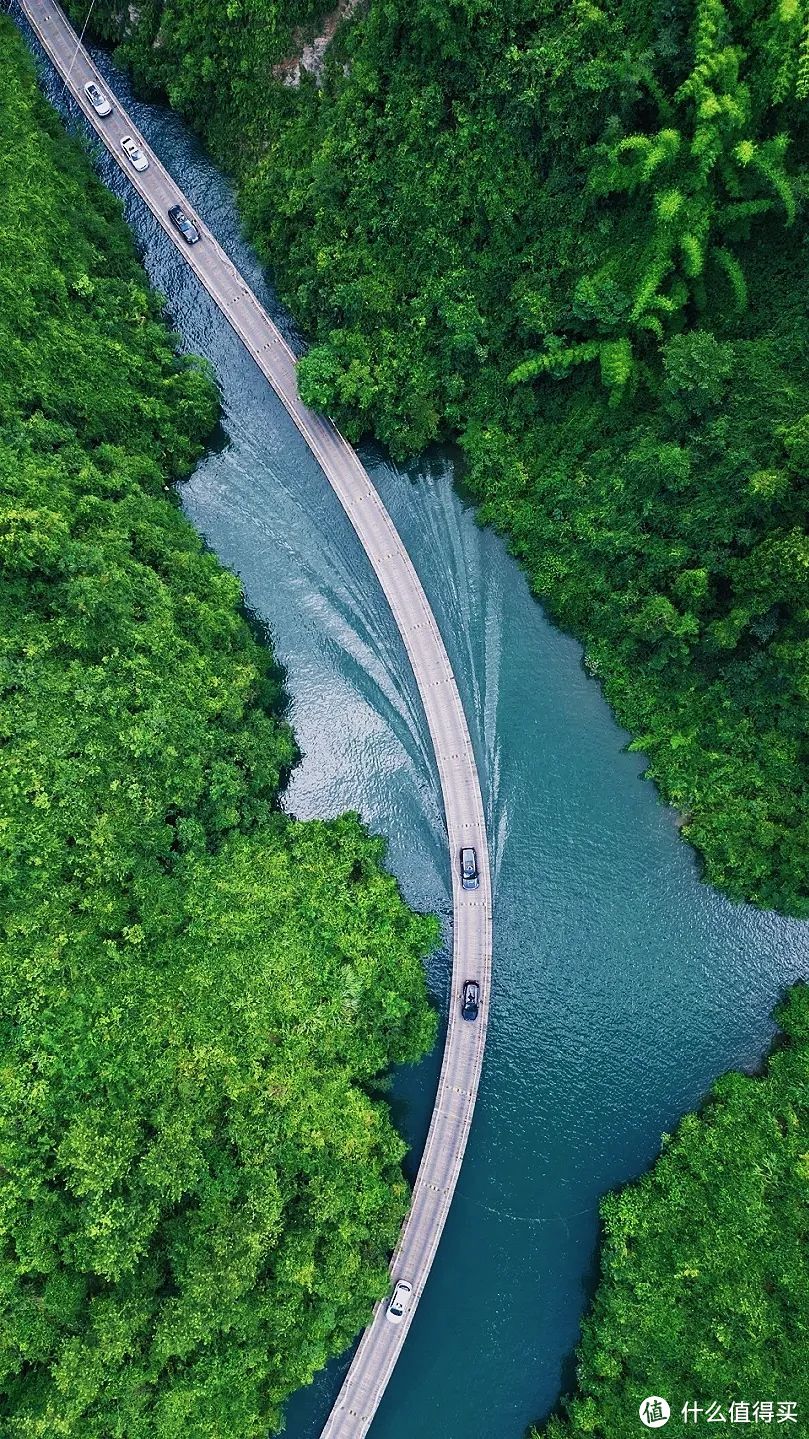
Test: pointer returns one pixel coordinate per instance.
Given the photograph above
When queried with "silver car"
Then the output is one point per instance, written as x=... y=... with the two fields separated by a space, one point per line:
x=398 y=1302
x=97 y=99
x=134 y=153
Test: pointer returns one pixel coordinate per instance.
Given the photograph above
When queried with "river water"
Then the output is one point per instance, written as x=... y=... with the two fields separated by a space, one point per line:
x=622 y=986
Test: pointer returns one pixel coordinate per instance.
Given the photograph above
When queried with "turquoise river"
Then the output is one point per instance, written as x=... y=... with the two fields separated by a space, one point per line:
x=623 y=985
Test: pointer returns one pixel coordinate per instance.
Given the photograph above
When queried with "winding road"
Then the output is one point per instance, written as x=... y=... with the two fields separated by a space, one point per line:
x=382 y=1341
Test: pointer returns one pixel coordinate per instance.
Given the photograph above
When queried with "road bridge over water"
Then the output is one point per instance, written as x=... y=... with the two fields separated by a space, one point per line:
x=440 y=1165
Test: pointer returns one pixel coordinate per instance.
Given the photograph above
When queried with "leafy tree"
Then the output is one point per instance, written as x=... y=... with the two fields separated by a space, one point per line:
x=697 y=368
x=705 y=172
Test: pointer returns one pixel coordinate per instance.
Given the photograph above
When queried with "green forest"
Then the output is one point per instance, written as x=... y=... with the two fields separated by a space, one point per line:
x=704 y=1292
x=572 y=236
x=200 y=1183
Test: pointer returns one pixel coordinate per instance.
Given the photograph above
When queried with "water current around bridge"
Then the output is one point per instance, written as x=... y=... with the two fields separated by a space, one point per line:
x=623 y=985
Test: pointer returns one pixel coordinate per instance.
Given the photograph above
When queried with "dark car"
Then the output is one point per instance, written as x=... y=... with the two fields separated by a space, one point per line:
x=469 y=869
x=470 y=999
x=181 y=222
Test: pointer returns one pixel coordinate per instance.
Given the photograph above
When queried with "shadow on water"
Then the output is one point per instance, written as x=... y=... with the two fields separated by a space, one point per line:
x=218 y=440
x=622 y=985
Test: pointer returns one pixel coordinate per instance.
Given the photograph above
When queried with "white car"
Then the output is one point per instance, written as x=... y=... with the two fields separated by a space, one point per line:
x=97 y=99
x=398 y=1302
x=134 y=153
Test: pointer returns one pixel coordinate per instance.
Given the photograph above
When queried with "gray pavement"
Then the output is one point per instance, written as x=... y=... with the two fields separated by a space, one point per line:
x=382 y=1341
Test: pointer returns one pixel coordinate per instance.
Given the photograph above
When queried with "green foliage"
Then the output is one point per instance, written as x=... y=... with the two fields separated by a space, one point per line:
x=735 y=274
x=555 y=360
x=697 y=369
x=671 y=539
x=690 y=180
x=597 y=200
x=199 y=1180
x=704 y=1293
x=616 y=363
x=615 y=357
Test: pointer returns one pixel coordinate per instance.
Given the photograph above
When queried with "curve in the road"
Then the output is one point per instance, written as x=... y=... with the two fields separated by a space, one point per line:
x=440 y=1165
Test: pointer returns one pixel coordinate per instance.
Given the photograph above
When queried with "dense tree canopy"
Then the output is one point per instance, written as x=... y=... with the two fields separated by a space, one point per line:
x=199 y=1180
x=704 y=1291
x=571 y=235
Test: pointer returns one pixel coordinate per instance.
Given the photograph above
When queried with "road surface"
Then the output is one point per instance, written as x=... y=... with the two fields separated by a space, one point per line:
x=382 y=1341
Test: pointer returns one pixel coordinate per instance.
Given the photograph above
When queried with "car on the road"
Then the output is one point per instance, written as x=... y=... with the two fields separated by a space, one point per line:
x=134 y=153
x=97 y=99
x=181 y=222
x=469 y=869
x=398 y=1302
x=470 y=999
